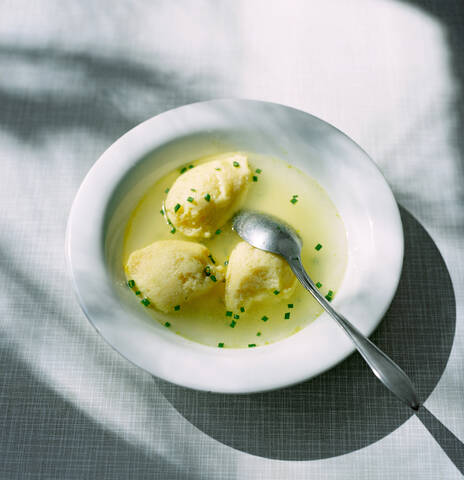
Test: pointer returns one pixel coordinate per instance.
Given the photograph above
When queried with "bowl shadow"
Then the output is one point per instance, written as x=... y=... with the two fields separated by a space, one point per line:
x=346 y=408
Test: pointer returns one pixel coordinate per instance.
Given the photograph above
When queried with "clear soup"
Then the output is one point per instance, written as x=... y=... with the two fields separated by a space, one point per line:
x=281 y=190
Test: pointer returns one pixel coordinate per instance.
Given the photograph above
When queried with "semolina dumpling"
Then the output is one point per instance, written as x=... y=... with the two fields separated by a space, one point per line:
x=173 y=272
x=254 y=275
x=205 y=197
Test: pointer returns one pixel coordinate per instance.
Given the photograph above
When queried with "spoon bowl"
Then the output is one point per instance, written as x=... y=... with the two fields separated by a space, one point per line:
x=268 y=233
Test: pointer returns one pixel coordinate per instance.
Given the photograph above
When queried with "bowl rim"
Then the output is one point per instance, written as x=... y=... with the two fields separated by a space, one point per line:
x=271 y=383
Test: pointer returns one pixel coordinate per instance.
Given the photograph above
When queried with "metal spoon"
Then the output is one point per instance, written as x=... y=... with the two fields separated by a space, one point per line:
x=272 y=235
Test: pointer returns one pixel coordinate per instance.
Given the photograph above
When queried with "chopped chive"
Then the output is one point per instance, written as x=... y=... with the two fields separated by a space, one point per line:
x=218 y=231
x=161 y=211
x=242 y=309
x=138 y=292
x=264 y=318
x=176 y=207
x=212 y=259
x=183 y=170
x=217 y=169
x=290 y=305
x=190 y=199
x=251 y=345
x=294 y=200
x=131 y=284
x=228 y=313
x=207 y=197
x=255 y=178
x=221 y=345
x=318 y=247
x=226 y=262
x=191 y=166
x=294 y=196
x=167 y=324
x=258 y=170
x=173 y=230
x=328 y=297
x=258 y=334
x=193 y=189
x=167 y=190
x=177 y=308
x=276 y=292
x=330 y=293
x=236 y=316
x=207 y=270
x=236 y=164
x=287 y=315
x=318 y=284
x=145 y=301
x=213 y=278
x=232 y=324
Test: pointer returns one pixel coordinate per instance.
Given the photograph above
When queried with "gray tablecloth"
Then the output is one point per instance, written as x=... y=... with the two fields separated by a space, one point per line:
x=74 y=76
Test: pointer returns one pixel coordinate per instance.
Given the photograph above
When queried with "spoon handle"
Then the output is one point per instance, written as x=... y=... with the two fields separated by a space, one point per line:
x=384 y=368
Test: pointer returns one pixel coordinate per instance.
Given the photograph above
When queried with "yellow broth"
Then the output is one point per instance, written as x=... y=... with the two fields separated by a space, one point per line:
x=313 y=216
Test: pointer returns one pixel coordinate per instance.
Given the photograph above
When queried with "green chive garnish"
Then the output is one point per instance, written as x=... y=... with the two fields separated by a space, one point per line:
x=167 y=190
x=258 y=334
x=167 y=324
x=258 y=170
x=131 y=284
x=177 y=308
x=318 y=247
x=276 y=292
x=264 y=318
x=173 y=230
x=290 y=305
x=251 y=345
x=318 y=284
x=145 y=301
x=218 y=231
x=330 y=293
x=217 y=169
x=287 y=316
x=236 y=316
x=242 y=309
x=226 y=262
x=328 y=297
x=191 y=166
x=190 y=199
x=176 y=207
x=294 y=200
x=228 y=313
x=213 y=278
x=232 y=324
x=183 y=170
x=255 y=178
x=236 y=164
x=221 y=345
x=138 y=292
x=192 y=190
x=207 y=270
x=207 y=197
x=161 y=211
x=212 y=259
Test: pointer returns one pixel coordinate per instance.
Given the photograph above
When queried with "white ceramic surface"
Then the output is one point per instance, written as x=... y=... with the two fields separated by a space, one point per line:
x=123 y=173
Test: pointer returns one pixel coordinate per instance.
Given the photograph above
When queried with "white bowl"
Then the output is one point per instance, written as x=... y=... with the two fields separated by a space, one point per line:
x=122 y=175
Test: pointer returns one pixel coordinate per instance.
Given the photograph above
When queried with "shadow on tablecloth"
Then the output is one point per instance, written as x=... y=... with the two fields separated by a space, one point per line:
x=346 y=408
